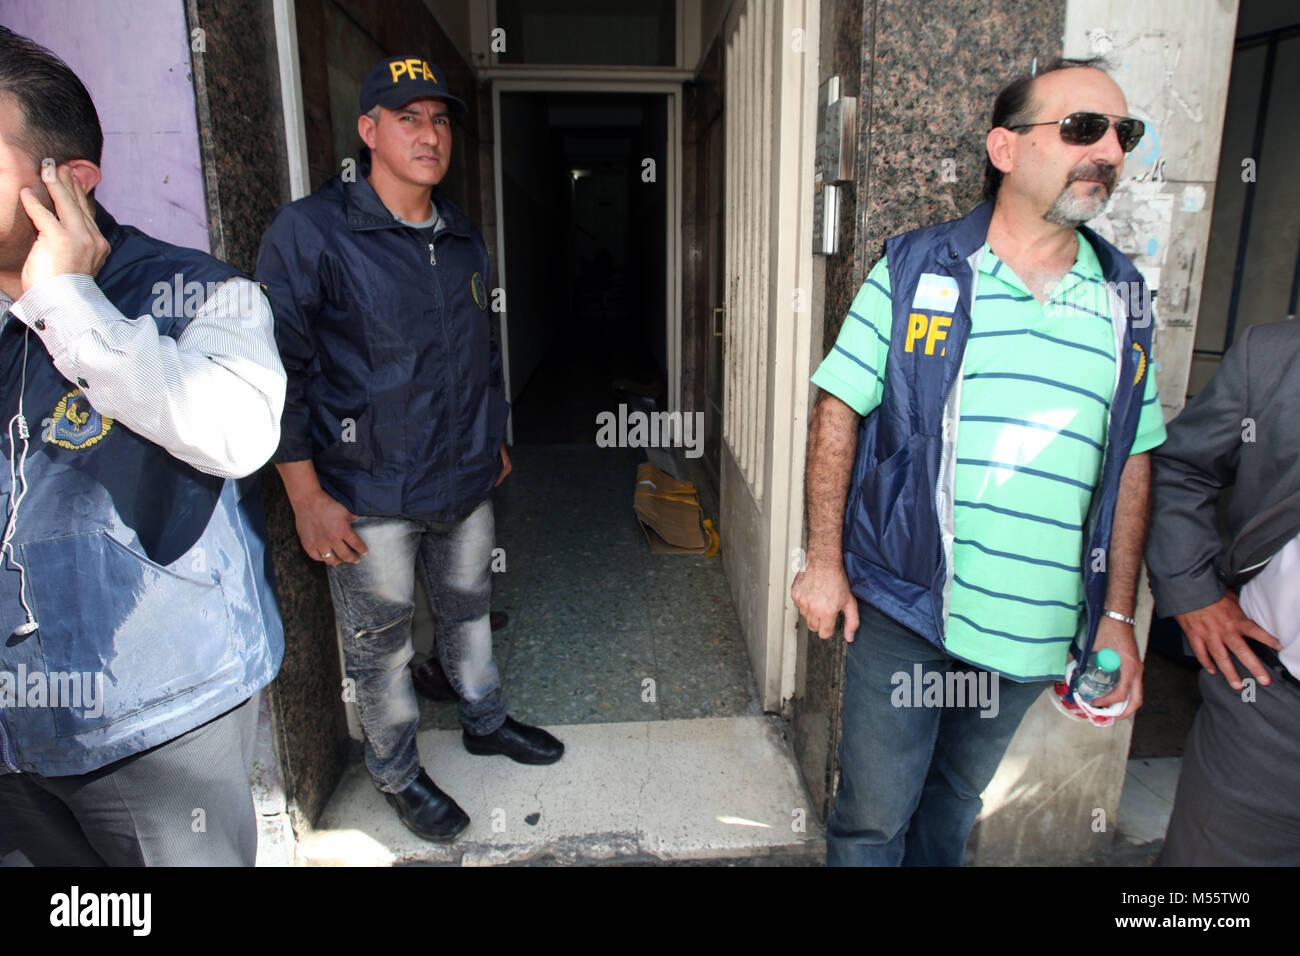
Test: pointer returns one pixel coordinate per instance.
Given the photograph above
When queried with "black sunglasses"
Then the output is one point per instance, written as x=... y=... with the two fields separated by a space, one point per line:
x=1084 y=129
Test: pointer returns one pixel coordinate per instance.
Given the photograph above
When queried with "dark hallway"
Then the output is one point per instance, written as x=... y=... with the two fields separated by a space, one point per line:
x=584 y=189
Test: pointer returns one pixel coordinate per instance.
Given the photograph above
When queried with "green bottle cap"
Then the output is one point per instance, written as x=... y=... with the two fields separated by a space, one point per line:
x=1107 y=659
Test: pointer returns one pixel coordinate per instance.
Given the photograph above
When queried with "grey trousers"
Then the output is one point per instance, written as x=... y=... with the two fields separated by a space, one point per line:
x=1236 y=801
x=183 y=803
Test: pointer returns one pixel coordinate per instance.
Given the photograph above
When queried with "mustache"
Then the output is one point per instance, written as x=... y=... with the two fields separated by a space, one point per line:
x=1104 y=173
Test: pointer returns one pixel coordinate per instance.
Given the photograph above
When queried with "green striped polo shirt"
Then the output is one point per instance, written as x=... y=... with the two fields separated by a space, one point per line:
x=1036 y=389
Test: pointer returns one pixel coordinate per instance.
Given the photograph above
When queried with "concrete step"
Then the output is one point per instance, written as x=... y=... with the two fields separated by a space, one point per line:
x=722 y=789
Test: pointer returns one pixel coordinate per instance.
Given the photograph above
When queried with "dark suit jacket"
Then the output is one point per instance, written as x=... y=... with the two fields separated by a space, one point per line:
x=1243 y=429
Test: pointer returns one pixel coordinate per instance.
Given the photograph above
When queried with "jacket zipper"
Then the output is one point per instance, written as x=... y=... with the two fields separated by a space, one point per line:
x=1089 y=634
x=938 y=512
x=433 y=261
x=5 y=754
x=943 y=462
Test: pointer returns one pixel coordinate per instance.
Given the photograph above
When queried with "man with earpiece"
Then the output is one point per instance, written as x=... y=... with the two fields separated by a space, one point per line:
x=137 y=617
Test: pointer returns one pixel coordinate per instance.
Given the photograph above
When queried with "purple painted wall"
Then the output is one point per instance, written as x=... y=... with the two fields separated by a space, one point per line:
x=135 y=60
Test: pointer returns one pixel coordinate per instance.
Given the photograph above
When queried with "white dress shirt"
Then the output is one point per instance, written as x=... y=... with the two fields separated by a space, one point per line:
x=1272 y=600
x=211 y=397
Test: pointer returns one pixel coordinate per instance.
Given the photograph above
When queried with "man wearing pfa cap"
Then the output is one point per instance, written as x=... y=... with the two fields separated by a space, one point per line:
x=394 y=424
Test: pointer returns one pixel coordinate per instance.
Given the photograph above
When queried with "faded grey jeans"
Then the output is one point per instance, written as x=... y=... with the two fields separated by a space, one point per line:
x=374 y=601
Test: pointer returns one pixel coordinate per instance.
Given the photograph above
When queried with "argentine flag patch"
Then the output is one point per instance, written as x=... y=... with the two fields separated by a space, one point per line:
x=935 y=293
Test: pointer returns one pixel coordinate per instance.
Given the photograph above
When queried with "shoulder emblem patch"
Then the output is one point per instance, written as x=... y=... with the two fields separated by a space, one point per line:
x=74 y=424
x=479 y=288
x=1140 y=361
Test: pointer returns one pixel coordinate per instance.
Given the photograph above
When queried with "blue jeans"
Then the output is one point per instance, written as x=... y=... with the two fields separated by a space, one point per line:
x=374 y=601
x=911 y=776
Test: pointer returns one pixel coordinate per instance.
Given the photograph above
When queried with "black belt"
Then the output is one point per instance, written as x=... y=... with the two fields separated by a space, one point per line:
x=1270 y=659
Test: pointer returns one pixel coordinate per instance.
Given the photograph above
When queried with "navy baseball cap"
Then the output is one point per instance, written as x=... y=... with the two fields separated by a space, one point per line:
x=395 y=82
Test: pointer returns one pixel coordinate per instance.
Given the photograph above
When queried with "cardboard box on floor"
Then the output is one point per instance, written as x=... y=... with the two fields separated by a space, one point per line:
x=668 y=511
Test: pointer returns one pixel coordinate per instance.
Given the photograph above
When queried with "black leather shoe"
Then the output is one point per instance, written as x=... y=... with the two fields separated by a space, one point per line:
x=519 y=742
x=430 y=681
x=427 y=811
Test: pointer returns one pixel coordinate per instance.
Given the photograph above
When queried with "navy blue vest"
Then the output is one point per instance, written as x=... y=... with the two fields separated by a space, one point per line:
x=150 y=580
x=896 y=514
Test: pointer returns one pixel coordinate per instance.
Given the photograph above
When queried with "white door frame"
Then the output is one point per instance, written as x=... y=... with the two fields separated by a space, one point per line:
x=622 y=82
x=770 y=325
x=795 y=345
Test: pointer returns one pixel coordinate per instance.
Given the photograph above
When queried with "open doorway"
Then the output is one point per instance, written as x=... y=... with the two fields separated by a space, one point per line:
x=599 y=629
x=637 y=661
x=585 y=202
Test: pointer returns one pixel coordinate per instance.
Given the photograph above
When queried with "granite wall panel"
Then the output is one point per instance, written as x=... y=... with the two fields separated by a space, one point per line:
x=237 y=87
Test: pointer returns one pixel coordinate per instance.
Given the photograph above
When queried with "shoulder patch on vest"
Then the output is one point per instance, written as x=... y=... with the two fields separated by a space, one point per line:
x=479 y=288
x=935 y=293
x=74 y=424
x=1140 y=363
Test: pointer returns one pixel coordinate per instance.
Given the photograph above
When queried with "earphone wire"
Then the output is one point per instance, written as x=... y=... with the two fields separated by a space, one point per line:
x=16 y=495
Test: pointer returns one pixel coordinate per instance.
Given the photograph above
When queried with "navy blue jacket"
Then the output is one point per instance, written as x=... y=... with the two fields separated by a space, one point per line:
x=394 y=384
x=898 y=524
x=140 y=568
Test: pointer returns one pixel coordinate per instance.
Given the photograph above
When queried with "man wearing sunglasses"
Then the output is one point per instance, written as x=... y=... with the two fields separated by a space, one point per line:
x=977 y=474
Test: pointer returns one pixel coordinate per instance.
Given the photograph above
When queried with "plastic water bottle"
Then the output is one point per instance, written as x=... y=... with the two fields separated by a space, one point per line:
x=1101 y=676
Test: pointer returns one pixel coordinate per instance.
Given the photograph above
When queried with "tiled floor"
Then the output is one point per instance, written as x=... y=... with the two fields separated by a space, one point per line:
x=600 y=629
x=1148 y=798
